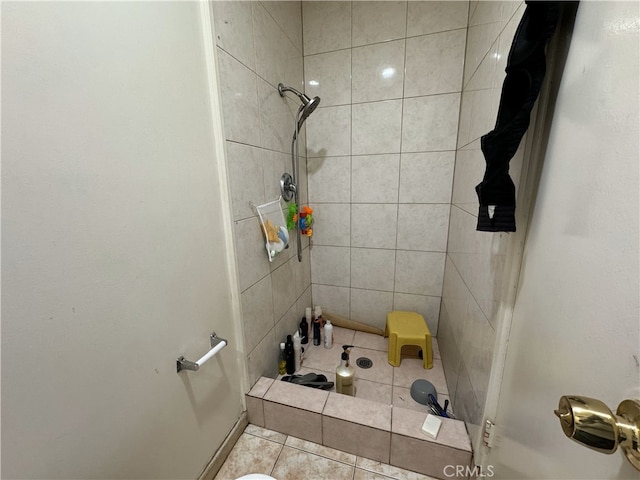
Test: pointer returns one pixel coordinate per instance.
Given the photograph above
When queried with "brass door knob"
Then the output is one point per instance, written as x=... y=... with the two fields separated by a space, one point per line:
x=590 y=422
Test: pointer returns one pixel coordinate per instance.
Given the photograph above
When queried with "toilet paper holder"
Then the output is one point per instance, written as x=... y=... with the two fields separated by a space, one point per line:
x=591 y=423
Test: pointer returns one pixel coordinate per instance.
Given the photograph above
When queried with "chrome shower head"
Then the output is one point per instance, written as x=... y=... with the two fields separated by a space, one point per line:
x=308 y=104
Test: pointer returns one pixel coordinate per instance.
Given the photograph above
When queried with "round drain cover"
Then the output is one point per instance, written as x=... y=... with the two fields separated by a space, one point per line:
x=364 y=362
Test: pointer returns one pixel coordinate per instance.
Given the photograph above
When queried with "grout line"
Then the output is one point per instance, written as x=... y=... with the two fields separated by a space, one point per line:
x=277 y=458
x=350 y=159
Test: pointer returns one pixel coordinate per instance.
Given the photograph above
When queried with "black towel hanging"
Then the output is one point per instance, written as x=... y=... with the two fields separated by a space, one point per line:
x=526 y=66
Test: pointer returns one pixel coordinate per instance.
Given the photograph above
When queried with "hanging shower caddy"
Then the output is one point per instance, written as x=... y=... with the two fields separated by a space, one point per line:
x=274 y=227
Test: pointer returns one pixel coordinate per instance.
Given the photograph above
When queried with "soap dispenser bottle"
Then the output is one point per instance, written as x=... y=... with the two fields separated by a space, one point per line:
x=345 y=373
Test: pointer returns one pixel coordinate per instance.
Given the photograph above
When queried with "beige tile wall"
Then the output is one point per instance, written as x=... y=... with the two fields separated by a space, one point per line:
x=393 y=225
x=475 y=260
x=381 y=150
x=259 y=44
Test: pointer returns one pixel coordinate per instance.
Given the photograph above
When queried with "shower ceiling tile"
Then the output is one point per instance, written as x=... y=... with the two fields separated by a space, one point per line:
x=375 y=178
x=326 y=26
x=328 y=76
x=378 y=21
x=430 y=123
x=426 y=177
x=431 y=17
x=378 y=71
x=376 y=127
x=435 y=63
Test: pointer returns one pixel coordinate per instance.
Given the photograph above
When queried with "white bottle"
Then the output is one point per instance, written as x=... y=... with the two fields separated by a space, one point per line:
x=328 y=335
x=297 y=351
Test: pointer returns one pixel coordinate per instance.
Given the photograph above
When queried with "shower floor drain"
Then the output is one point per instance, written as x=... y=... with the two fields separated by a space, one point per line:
x=364 y=362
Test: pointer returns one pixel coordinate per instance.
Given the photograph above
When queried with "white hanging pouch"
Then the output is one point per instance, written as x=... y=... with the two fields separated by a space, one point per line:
x=274 y=227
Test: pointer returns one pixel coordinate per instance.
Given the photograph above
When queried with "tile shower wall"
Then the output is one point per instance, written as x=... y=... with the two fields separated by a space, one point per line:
x=259 y=44
x=475 y=260
x=381 y=150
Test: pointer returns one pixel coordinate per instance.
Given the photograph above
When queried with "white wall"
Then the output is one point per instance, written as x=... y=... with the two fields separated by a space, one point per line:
x=113 y=245
x=575 y=322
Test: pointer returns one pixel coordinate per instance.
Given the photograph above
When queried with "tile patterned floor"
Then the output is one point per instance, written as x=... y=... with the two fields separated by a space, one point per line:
x=382 y=382
x=289 y=458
